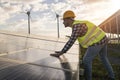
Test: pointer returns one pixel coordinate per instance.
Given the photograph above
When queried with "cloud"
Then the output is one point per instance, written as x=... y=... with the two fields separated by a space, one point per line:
x=43 y=13
x=94 y=1
x=96 y=12
x=3 y=17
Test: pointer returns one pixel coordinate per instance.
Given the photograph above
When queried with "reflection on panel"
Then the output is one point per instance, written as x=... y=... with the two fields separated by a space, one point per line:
x=30 y=72
x=28 y=58
x=10 y=43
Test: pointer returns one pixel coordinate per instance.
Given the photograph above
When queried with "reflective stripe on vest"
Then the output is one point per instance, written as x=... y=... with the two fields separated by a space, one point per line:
x=90 y=39
x=93 y=35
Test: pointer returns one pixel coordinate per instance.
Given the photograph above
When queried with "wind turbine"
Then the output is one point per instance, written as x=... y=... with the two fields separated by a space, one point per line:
x=57 y=17
x=28 y=12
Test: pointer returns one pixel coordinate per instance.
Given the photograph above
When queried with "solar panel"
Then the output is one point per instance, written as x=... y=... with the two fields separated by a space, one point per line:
x=30 y=58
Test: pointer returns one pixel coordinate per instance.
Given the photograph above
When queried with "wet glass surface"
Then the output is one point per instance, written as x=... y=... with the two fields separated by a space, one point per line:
x=31 y=57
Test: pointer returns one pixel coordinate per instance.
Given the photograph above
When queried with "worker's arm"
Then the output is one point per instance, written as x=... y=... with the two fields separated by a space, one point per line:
x=77 y=31
x=72 y=39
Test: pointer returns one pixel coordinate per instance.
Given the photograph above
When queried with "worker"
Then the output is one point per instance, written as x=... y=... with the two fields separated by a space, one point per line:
x=89 y=36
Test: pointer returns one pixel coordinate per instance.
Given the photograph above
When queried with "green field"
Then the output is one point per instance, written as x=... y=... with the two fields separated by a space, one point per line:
x=98 y=71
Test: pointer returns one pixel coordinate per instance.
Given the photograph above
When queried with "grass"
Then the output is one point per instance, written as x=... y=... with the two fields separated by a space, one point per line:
x=114 y=50
x=98 y=70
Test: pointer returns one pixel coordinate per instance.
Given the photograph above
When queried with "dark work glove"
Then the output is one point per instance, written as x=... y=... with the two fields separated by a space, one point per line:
x=57 y=54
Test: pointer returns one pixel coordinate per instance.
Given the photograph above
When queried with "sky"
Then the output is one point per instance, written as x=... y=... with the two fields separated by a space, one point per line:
x=43 y=22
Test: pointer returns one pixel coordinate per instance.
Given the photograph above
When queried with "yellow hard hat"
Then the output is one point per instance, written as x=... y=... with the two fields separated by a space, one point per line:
x=68 y=14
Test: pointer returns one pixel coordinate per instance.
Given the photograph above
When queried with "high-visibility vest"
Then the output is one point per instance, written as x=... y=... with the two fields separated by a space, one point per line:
x=93 y=35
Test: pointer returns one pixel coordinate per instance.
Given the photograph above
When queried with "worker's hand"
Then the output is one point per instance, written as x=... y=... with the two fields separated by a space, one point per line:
x=57 y=54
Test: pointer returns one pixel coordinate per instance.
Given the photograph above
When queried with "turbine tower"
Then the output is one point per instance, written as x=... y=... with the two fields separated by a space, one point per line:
x=57 y=17
x=28 y=12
